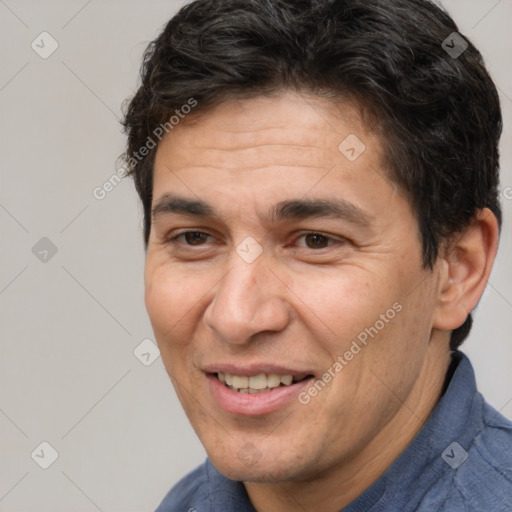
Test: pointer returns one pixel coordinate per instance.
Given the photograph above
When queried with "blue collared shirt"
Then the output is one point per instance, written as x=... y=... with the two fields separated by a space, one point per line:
x=460 y=461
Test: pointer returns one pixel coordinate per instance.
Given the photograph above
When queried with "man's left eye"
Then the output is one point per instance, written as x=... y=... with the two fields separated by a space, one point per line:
x=316 y=241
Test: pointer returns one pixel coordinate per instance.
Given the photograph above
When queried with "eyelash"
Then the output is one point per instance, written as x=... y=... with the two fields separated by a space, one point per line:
x=175 y=239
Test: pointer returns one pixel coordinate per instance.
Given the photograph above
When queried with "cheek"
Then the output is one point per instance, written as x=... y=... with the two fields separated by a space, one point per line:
x=342 y=305
x=170 y=302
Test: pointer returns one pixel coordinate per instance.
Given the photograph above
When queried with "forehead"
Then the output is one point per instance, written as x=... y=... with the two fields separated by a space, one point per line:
x=303 y=129
x=268 y=149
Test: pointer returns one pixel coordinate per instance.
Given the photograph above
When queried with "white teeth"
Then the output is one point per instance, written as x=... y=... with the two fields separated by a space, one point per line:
x=273 y=380
x=256 y=384
x=286 y=379
x=240 y=381
x=258 y=381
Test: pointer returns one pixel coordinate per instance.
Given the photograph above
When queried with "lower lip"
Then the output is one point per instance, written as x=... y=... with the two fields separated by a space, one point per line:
x=254 y=404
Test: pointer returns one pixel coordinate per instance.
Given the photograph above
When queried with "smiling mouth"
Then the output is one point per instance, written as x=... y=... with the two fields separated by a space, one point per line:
x=262 y=383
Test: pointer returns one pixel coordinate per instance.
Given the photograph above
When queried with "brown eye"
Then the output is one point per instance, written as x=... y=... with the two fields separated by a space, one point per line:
x=316 y=241
x=195 y=237
x=189 y=238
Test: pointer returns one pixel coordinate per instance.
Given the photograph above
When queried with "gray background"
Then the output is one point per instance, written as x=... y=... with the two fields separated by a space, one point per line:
x=71 y=321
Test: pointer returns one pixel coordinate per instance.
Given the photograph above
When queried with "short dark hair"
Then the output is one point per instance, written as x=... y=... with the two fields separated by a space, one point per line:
x=438 y=115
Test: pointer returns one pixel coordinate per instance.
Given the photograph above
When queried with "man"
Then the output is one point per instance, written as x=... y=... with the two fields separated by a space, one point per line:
x=319 y=181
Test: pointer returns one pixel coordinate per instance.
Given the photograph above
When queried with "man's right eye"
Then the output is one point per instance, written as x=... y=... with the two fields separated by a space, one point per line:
x=191 y=238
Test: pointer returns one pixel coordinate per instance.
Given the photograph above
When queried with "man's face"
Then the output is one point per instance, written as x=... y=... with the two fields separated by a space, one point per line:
x=275 y=251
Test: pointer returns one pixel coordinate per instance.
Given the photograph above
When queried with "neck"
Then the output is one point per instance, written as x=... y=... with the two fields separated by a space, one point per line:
x=339 y=486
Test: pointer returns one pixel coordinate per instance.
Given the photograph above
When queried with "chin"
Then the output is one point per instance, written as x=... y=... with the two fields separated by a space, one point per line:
x=256 y=470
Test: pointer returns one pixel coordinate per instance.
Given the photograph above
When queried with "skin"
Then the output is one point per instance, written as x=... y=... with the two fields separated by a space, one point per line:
x=303 y=301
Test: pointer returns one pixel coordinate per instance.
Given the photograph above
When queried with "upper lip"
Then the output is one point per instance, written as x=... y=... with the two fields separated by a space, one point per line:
x=251 y=370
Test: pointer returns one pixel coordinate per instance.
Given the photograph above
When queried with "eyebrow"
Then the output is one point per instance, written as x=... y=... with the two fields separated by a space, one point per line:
x=169 y=204
x=294 y=209
x=338 y=208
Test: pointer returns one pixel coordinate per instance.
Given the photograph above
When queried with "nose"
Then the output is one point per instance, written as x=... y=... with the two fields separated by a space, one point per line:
x=249 y=300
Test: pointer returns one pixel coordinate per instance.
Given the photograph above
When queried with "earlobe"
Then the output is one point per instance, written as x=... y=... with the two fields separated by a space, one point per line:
x=466 y=266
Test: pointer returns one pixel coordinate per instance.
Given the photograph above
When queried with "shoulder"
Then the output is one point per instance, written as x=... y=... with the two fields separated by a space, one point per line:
x=484 y=480
x=494 y=443
x=189 y=493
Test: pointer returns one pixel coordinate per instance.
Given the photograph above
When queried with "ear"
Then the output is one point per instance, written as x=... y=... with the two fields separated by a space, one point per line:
x=466 y=266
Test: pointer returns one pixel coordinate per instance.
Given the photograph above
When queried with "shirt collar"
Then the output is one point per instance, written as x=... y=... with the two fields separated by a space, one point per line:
x=456 y=418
